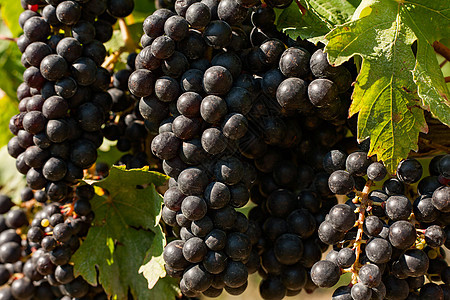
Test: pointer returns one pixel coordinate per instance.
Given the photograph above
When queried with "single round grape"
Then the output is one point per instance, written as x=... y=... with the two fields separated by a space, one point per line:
x=192 y=81
x=217 y=80
x=198 y=15
x=294 y=62
x=334 y=160
x=291 y=94
x=379 y=251
x=345 y=258
x=193 y=208
x=328 y=234
x=188 y=104
x=213 y=141
x=325 y=274
x=322 y=93
x=235 y=274
x=376 y=171
x=398 y=208
x=272 y=288
x=217 y=34
x=434 y=236
x=197 y=278
x=370 y=275
x=141 y=83
x=165 y=145
x=409 y=171
x=402 y=234
x=414 y=262
x=192 y=181
x=444 y=166
x=341 y=182
x=288 y=249
x=213 y=109
x=162 y=47
x=238 y=246
x=361 y=292
x=194 y=250
x=441 y=199
x=173 y=255
x=357 y=163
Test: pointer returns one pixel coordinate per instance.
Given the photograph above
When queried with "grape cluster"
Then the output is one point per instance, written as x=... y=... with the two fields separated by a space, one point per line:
x=36 y=265
x=63 y=100
x=389 y=243
x=223 y=90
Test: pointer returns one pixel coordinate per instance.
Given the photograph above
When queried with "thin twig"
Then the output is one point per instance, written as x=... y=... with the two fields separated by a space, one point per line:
x=443 y=63
x=441 y=49
x=447 y=79
x=6 y=38
x=434 y=145
x=364 y=199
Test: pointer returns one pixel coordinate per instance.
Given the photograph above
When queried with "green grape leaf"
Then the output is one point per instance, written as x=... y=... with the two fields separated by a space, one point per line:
x=153 y=266
x=303 y=22
x=143 y=8
x=117 y=42
x=427 y=74
x=8 y=107
x=108 y=152
x=11 y=69
x=312 y=19
x=335 y=11
x=11 y=11
x=386 y=97
x=126 y=225
x=11 y=181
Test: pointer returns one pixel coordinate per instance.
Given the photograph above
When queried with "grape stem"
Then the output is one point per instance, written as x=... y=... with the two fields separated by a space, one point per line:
x=129 y=46
x=363 y=198
x=6 y=38
x=441 y=49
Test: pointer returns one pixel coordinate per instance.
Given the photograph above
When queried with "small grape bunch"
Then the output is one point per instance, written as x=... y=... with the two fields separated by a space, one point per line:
x=389 y=243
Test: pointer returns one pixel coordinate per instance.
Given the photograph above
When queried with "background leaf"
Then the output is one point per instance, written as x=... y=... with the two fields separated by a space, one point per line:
x=11 y=10
x=11 y=69
x=8 y=108
x=142 y=9
x=430 y=21
x=315 y=18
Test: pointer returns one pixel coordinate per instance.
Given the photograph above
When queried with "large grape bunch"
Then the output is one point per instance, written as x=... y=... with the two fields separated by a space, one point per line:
x=223 y=90
x=63 y=105
x=63 y=100
x=390 y=239
x=35 y=252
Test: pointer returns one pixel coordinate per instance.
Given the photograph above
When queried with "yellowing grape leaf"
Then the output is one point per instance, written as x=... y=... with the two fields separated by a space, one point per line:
x=124 y=228
x=386 y=96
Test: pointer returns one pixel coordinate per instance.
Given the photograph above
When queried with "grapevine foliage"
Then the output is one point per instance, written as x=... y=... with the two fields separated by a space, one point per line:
x=123 y=249
x=125 y=228
x=394 y=83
